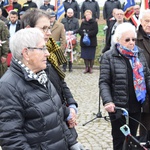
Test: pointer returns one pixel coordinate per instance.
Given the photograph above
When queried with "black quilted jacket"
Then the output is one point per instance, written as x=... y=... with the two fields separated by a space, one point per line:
x=31 y=115
x=113 y=80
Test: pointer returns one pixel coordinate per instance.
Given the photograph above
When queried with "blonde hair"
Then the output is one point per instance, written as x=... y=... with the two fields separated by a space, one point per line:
x=87 y=11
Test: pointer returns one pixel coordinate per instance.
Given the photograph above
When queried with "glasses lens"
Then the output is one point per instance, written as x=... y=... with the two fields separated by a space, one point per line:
x=128 y=39
x=45 y=28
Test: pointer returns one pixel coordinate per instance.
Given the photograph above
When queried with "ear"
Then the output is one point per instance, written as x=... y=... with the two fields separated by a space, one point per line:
x=25 y=54
x=27 y=26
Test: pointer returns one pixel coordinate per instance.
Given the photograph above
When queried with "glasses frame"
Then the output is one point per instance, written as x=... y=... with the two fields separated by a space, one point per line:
x=38 y=48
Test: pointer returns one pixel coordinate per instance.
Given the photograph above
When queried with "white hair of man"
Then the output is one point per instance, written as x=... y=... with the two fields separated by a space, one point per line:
x=28 y=37
x=144 y=12
x=123 y=28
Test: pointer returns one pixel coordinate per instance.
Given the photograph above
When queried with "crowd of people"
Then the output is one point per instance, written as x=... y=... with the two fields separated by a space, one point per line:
x=38 y=110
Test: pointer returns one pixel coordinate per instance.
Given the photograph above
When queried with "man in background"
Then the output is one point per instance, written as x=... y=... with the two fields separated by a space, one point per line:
x=16 y=6
x=71 y=25
x=109 y=5
x=47 y=5
x=143 y=41
x=93 y=6
x=29 y=5
x=74 y=5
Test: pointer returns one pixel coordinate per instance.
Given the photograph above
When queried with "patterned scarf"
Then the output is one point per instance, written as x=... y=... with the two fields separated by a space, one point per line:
x=41 y=76
x=137 y=67
x=56 y=57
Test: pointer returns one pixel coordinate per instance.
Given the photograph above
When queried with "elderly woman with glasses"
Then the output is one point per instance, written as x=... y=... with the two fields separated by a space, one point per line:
x=124 y=81
x=32 y=114
x=37 y=18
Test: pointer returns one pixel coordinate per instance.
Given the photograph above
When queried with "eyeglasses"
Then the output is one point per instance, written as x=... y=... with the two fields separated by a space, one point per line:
x=132 y=39
x=39 y=48
x=45 y=29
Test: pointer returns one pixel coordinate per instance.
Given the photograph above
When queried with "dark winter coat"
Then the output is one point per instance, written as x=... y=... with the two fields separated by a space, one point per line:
x=108 y=8
x=114 y=80
x=71 y=24
x=32 y=115
x=17 y=7
x=143 y=41
x=90 y=5
x=74 y=5
x=49 y=6
x=91 y=28
x=18 y=25
x=29 y=5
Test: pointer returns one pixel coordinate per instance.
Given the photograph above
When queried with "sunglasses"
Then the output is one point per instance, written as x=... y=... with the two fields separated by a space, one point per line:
x=132 y=39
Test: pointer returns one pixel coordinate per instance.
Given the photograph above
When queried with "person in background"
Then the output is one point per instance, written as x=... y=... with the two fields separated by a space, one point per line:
x=90 y=5
x=34 y=117
x=47 y=5
x=57 y=30
x=40 y=19
x=109 y=5
x=4 y=12
x=29 y=5
x=143 y=41
x=124 y=81
x=4 y=19
x=135 y=20
x=89 y=26
x=119 y=15
x=17 y=7
x=21 y=14
x=4 y=47
x=71 y=25
x=74 y=5
x=14 y=23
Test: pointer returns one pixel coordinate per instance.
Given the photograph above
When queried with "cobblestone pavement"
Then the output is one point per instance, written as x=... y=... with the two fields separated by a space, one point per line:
x=95 y=135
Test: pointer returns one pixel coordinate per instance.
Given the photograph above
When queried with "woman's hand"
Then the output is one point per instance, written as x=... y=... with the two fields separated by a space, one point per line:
x=109 y=107
x=72 y=122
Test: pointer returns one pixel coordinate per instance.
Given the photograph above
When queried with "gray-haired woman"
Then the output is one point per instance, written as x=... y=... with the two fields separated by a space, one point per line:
x=32 y=115
x=124 y=81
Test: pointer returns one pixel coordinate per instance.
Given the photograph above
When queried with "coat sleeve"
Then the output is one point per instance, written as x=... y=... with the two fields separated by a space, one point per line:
x=67 y=94
x=97 y=10
x=105 y=79
x=4 y=37
x=104 y=11
x=11 y=120
x=63 y=38
x=94 y=30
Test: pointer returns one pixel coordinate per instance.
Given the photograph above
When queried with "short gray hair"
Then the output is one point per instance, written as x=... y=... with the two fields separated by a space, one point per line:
x=28 y=37
x=122 y=28
x=144 y=12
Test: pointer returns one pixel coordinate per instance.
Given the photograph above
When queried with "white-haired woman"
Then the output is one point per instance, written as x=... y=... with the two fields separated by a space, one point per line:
x=32 y=113
x=124 y=81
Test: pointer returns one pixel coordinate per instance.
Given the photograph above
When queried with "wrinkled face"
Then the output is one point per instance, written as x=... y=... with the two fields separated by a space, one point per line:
x=119 y=15
x=70 y=13
x=37 y=58
x=88 y=16
x=145 y=22
x=13 y=18
x=44 y=25
x=128 y=39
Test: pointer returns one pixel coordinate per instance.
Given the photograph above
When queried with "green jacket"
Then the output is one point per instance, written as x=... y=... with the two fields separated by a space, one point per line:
x=4 y=48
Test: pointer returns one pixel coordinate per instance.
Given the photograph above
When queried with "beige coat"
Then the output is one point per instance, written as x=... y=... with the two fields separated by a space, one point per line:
x=58 y=34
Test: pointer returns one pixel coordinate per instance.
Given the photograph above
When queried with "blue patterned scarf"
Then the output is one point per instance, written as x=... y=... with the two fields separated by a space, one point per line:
x=137 y=67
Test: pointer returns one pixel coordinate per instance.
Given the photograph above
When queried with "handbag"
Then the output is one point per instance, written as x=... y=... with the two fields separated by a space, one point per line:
x=86 y=40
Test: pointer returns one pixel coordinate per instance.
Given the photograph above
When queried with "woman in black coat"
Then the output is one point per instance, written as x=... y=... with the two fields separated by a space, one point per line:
x=89 y=26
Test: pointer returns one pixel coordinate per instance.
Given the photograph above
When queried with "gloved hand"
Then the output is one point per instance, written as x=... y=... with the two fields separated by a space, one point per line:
x=77 y=146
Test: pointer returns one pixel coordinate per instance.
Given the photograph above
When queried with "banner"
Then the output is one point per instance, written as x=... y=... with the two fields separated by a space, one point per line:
x=8 y=5
x=128 y=9
x=59 y=8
